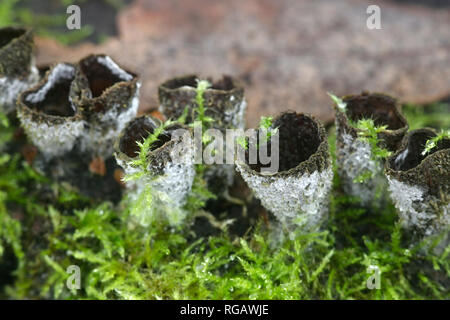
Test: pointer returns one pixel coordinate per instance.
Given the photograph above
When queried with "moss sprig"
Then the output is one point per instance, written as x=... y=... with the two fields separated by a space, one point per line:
x=265 y=125
x=144 y=208
x=368 y=133
x=200 y=194
x=200 y=110
x=433 y=142
x=341 y=104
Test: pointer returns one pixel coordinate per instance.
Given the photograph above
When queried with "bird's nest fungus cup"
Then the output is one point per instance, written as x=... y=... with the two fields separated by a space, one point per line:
x=354 y=156
x=298 y=192
x=17 y=66
x=85 y=105
x=47 y=114
x=170 y=170
x=224 y=102
x=419 y=184
x=73 y=116
x=108 y=97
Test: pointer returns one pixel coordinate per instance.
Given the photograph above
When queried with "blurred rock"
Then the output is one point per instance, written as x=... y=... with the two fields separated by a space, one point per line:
x=289 y=53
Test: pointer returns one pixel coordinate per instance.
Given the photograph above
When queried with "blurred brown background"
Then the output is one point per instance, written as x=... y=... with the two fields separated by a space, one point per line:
x=289 y=53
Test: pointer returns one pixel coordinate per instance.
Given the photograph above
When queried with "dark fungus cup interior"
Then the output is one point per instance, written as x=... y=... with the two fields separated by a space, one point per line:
x=299 y=138
x=102 y=73
x=9 y=34
x=226 y=83
x=51 y=96
x=137 y=131
x=177 y=83
x=379 y=107
x=43 y=69
x=410 y=156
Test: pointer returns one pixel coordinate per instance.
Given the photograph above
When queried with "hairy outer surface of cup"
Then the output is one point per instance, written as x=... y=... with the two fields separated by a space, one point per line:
x=108 y=98
x=298 y=193
x=354 y=156
x=17 y=67
x=171 y=181
x=420 y=184
x=47 y=114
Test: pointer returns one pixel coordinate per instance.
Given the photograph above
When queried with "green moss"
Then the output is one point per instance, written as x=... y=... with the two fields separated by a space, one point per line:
x=15 y=12
x=48 y=228
x=433 y=142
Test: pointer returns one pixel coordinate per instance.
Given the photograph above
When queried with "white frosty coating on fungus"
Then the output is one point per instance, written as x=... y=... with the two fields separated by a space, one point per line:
x=114 y=68
x=10 y=88
x=61 y=71
x=53 y=140
x=236 y=115
x=416 y=210
x=295 y=201
x=170 y=189
x=354 y=158
x=178 y=177
x=100 y=139
x=176 y=183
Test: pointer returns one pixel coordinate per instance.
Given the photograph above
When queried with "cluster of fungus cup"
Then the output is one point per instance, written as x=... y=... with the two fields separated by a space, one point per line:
x=419 y=184
x=73 y=116
x=17 y=66
x=169 y=164
x=297 y=194
x=355 y=156
x=224 y=102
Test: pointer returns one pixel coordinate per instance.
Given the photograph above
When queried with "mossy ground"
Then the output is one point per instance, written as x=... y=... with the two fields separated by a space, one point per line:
x=45 y=227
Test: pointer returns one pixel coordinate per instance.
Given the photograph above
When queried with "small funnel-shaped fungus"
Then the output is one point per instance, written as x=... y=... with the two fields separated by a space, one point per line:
x=355 y=156
x=224 y=103
x=108 y=99
x=298 y=193
x=168 y=175
x=47 y=113
x=419 y=183
x=17 y=69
